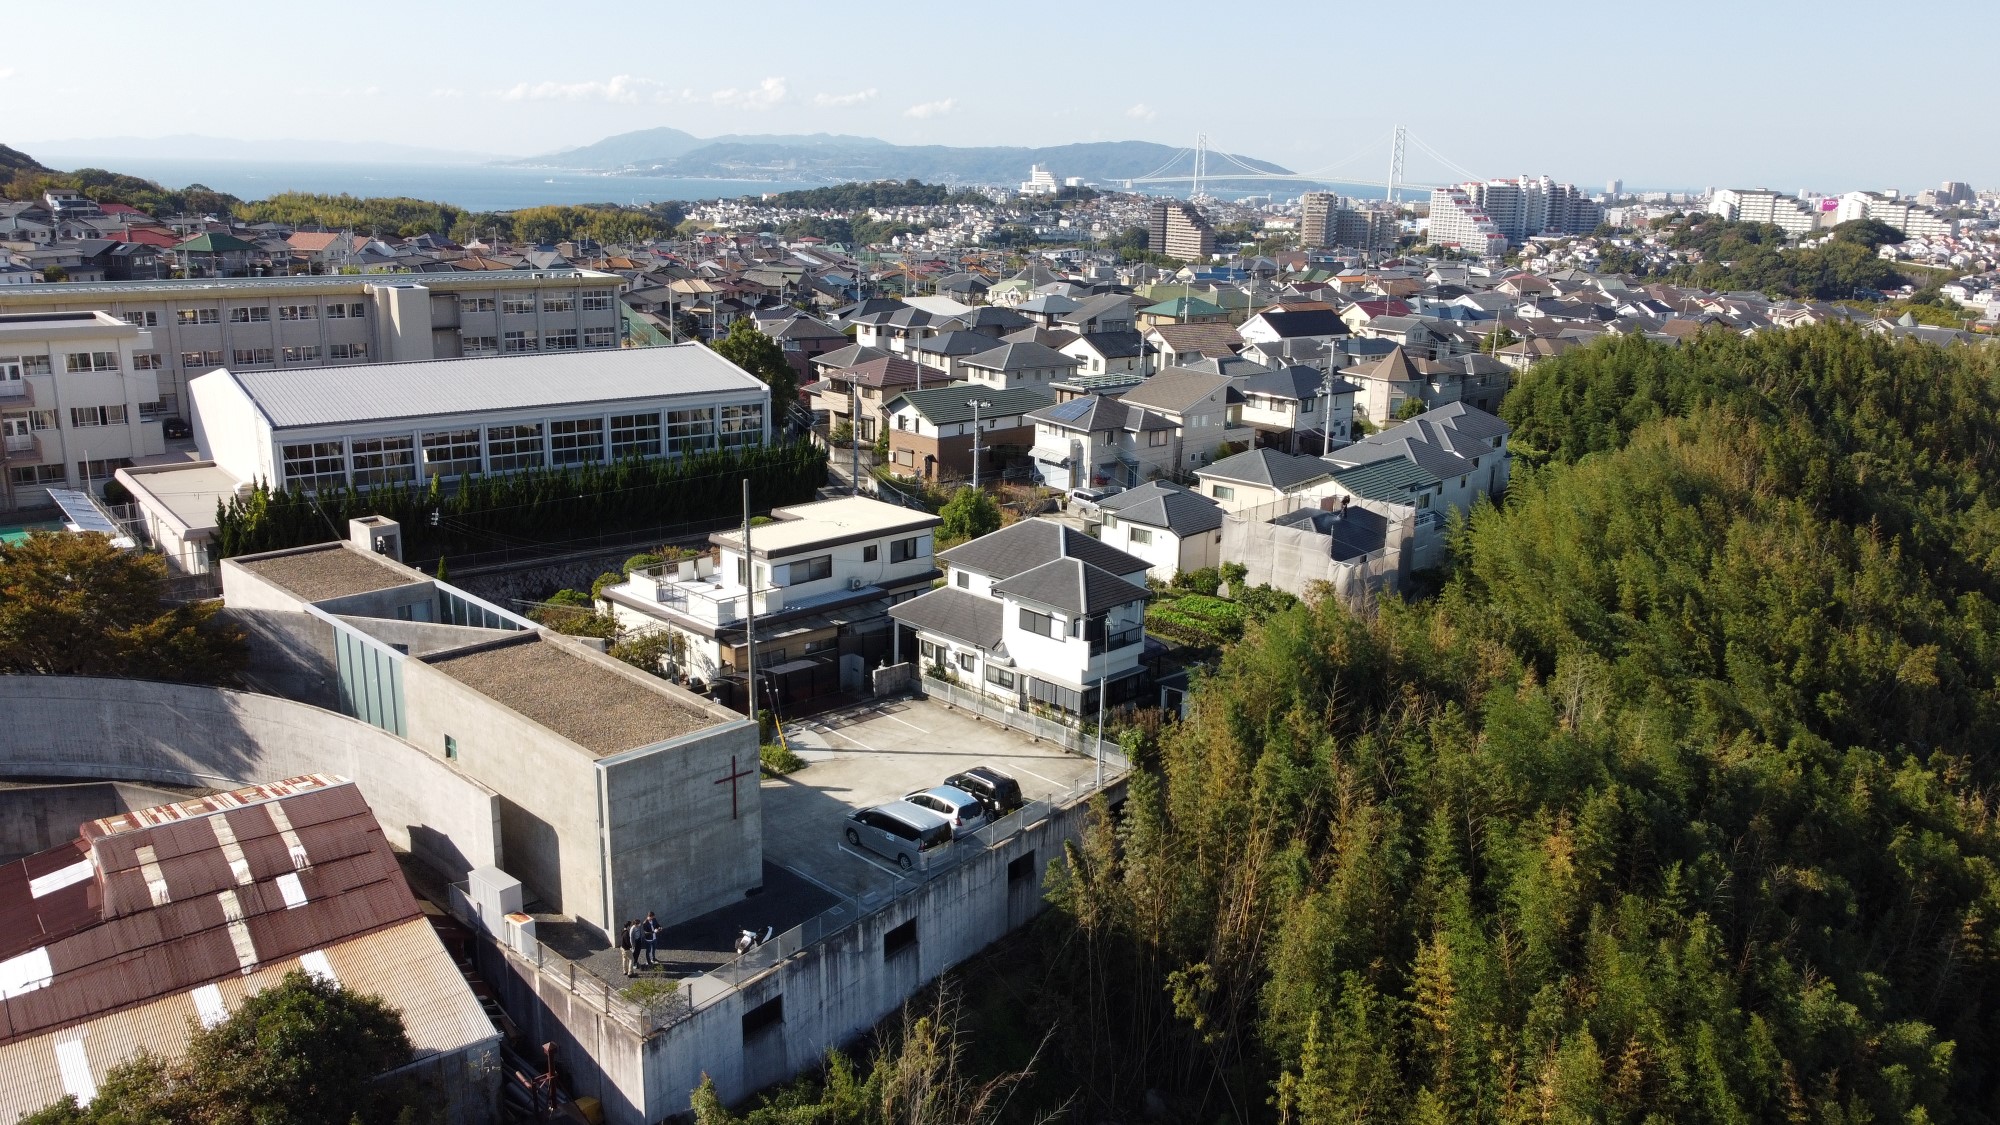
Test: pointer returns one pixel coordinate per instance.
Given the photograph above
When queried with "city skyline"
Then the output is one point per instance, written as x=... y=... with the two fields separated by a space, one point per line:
x=1713 y=110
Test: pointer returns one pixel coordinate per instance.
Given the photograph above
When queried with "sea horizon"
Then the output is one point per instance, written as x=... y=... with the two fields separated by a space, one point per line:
x=475 y=187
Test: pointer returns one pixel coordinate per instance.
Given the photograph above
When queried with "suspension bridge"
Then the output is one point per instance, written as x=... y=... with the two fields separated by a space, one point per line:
x=1214 y=166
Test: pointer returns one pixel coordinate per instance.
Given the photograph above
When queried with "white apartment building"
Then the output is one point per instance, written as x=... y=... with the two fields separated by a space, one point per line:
x=1530 y=205
x=1456 y=221
x=403 y=423
x=79 y=400
x=1913 y=220
x=823 y=576
x=291 y=323
x=1036 y=614
x=1794 y=216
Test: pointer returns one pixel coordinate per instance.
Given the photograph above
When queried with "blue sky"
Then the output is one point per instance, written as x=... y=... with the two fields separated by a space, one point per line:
x=1748 y=95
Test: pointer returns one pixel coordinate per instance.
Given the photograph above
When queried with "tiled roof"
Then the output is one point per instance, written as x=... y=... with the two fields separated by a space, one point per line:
x=1070 y=585
x=1176 y=389
x=1159 y=504
x=1208 y=339
x=1020 y=356
x=1271 y=468
x=947 y=405
x=954 y=613
x=1023 y=546
x=1393 y=479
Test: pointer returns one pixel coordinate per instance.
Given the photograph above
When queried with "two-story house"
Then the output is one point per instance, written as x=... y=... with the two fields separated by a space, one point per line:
x=1281 y=324
x=1038 y=615
x=1094 y=440
x=823 y=577
x=1463 y=446
x=931 y=430
x=1017 y=364
x=1108 y=353
x=1205 y=410
x=1257 y=477
x=859 y=396
x=1297 y=408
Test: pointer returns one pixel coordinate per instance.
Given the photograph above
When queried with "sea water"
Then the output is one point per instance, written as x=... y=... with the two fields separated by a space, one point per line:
x=475 y=187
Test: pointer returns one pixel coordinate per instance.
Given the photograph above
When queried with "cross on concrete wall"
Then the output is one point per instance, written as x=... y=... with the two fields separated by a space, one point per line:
x=730 y=780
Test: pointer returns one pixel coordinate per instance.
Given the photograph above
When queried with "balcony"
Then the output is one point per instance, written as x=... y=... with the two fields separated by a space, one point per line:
x=17 y=392
x=21 y=449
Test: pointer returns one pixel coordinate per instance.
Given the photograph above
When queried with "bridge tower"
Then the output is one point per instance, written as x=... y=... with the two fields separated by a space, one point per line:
x=1200 y=163
x=1395 y=166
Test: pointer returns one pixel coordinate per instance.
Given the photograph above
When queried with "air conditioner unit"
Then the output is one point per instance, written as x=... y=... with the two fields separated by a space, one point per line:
x=520 y=934
x=854 y=583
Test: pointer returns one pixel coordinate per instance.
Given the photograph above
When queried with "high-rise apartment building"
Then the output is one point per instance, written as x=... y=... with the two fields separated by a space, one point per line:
x=1460 y=223
x=1913 y=220
x=1952 y=193
x=1178 y=230
x=1530 y=205
x=1791 y=214
x=1324 y=222
x=266 y=323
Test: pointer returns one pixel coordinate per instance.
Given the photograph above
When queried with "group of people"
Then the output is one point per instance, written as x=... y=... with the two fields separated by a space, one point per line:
x=639 y=943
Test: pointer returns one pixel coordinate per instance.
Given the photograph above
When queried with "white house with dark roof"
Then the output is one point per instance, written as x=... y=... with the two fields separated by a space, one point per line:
x=1017 y=364
x=1036 y=614
x=1205 y=410
x=1171 y=527
x=1257 y=477
x=1464 y=447
x=1096 y=439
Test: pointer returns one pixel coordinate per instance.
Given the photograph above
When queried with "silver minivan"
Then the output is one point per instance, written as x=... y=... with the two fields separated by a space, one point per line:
x=898 y=830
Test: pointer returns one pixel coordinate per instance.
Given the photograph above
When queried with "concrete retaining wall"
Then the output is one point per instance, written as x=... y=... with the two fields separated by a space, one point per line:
x=35 y=818
x=179 y=734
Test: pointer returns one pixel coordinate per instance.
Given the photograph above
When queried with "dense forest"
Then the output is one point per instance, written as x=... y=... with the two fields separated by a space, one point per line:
x=1758 y=256
x=1675 y=805
x=876 y=193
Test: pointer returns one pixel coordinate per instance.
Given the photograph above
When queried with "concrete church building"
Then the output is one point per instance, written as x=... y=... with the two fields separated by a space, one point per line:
x=619 y=793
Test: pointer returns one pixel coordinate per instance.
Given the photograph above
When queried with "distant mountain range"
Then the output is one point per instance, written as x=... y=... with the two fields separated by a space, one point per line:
x=831 y=158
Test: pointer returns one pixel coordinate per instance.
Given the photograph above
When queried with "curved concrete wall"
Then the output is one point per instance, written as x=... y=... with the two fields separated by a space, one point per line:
x=179 y=734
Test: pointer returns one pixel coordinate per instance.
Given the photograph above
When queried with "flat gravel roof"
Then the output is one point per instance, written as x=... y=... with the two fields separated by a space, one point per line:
x=597 y=708
x=330 y=571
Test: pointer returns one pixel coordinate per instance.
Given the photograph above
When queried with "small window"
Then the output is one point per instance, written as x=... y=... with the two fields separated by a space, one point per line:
x=815 y=569
x=1222 y=492
x=999 y=677
x=900 y=938
x=450 y=748
x=967 y=661
x=1141 y=537
x=870 y=553
x=1021 y=866
x=903 y=550
x=763 y=1017
x=964 y=580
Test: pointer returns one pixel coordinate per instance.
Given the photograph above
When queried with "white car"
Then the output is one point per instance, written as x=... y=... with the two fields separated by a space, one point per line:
x=963 y=810
x=1087 y=499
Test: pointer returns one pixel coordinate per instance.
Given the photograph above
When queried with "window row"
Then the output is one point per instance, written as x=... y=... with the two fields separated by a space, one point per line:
x=255 y=357
x=526 y=305
x=57 y=476
x=406 y=458
x=255 y=314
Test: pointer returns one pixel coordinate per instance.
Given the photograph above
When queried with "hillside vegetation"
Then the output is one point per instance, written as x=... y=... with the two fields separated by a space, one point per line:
x=1676 y=805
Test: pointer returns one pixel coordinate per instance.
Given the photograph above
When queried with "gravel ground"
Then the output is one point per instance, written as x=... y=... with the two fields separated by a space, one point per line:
x=596 y=708
x=330 y=572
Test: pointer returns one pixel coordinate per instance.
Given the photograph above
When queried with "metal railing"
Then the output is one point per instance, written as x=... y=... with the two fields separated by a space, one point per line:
x=1064 y=734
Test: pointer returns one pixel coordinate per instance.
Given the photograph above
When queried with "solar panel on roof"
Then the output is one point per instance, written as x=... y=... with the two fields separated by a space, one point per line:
x=1070 y=411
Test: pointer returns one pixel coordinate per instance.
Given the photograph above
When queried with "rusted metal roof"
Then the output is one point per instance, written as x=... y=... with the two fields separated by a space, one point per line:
x=168 y=899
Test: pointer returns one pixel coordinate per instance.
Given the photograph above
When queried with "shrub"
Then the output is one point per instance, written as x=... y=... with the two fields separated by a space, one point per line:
x=778 y=759
x=642 y=561
x=603 y=581
x=1202 y=581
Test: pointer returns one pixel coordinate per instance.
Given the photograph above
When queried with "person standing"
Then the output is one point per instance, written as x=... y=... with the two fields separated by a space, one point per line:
x=650 y=928
x=624 y=939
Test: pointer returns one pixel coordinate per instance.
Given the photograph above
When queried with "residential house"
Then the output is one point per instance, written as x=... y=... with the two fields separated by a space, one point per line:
x=803 y=338
x=931 y=430
x=1178 y=345
x=1205 y=411
x=944 y=352
x=1018 y=364
x=1182 y=310
x=859 y=396
x=1096 y=440
x=1297 y=408
x=823 y=576
x=1281 y=325
x=1258 y=477
x=1463 y=446
x=1108 y=353
x=1173 y=528
x=1108 y=312
x=1037 y=615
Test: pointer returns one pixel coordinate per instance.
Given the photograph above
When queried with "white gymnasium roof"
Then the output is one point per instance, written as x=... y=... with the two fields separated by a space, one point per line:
x=375 y=392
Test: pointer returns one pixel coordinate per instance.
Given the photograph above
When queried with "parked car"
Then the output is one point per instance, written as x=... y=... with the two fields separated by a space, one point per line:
x=176 y=428
x=1087 y=499
x=965 y=811
x=998 y=792
x=898 y=830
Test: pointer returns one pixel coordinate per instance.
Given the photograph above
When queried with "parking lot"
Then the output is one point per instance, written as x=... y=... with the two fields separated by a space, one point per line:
x=869 y=755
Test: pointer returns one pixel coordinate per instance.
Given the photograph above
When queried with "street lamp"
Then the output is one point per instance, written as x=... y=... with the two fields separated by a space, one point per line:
x=975 y=404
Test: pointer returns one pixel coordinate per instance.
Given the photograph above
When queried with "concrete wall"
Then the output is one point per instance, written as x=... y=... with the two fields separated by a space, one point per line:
x=179 y=734
x=35 y=818
x=677 y=843
x=832 y=991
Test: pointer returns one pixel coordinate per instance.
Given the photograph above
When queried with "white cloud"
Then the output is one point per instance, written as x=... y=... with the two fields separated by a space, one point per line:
x=931 y=109
x=7 y=72
x=768 y=93
x=1142 y=112
x=622 y=88
x=843 y=100
x=447 y=92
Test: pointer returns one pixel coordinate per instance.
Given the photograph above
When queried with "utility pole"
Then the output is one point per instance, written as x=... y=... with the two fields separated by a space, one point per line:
x=976 y=404
x=854 y=435
x=1326 y=405
x=749 y=606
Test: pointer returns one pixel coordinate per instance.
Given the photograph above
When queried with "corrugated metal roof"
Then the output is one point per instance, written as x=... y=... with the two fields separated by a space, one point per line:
x=381 y=391
x=404 y=963
x=193 y=893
